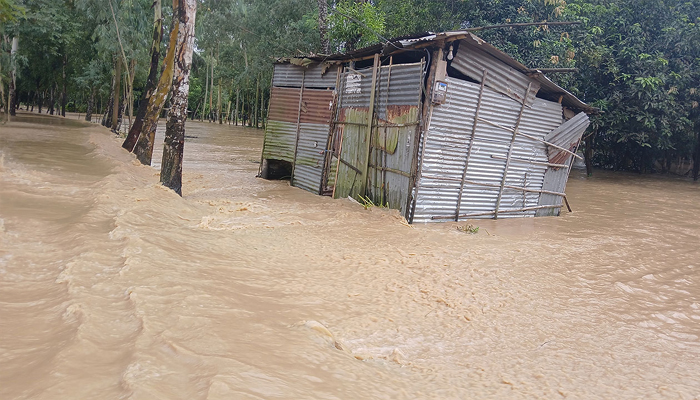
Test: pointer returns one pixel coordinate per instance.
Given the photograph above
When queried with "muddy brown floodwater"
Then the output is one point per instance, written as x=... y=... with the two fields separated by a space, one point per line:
x=112 y=287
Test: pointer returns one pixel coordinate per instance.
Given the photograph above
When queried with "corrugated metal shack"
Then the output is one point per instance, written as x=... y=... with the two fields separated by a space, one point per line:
x=440 y=126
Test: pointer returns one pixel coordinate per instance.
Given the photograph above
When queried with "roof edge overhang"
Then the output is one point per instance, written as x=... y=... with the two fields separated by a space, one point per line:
x=429 y=39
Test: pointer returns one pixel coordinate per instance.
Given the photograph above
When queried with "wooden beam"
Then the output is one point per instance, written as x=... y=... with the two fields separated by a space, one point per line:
x=484 y=75
x=510 y=150
x=370 y=126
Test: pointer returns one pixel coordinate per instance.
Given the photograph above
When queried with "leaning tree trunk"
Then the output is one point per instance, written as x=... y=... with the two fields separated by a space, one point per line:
x=151 y=82
x=144 y=144
x=171 y=170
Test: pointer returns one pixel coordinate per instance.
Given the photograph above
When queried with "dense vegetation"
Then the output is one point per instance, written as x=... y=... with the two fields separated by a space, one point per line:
x=638 y=59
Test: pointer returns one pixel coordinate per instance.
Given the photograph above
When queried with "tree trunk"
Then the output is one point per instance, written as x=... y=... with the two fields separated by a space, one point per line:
x=146 y=140
x=12 y=102
x=696 y=155
x=219 y=114
x=52 y=100
x=90 y=104
x=255 y=105
x=117 y=89
x=211 y=88
x=235 y=114
x=206 y=93
x=152 y=79
x=64 y=97
x=228 y=112
x=171 y=170
x=323 y=25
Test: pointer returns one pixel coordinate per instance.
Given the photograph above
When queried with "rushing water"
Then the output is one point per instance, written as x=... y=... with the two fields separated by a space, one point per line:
x=113 y=287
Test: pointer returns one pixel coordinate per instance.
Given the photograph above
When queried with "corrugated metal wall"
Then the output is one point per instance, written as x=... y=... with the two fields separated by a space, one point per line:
x=313 y=137
x=396 y=117
x=290 y=75
x=472 y=61
x=566 y=136
x=297 y=131
x=447 y=144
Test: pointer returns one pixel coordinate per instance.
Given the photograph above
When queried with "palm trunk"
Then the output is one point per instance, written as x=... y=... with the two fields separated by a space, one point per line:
x=171 y=170
x=152 y=80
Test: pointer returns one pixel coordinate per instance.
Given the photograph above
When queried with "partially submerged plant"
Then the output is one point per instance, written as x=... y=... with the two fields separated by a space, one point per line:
x=469 y=228
x=367 y=203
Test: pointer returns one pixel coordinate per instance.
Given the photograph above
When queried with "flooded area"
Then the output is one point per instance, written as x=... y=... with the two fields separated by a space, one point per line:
x=113 y=287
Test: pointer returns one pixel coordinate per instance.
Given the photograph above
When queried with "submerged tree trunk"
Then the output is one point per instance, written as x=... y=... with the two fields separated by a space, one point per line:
x=117 y=89
x=323 y=26
x=171 y=170
x=145 y=142
x=152 y=80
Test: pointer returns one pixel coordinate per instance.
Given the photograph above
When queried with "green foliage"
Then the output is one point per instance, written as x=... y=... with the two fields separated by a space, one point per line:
x=469 y=228
x=355 y=24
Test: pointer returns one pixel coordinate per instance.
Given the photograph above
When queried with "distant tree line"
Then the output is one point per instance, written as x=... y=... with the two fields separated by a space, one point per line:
x=638 y=60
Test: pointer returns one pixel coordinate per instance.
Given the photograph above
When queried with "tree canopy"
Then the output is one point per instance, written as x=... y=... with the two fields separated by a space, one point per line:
x=637 y=59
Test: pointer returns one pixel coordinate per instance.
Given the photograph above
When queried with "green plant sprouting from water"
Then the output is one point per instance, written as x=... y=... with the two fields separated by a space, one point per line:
x=367 y=203
x=469 y=228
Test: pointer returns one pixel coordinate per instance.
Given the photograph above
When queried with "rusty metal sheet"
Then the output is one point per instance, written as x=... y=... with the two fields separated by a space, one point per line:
x=316 y=106
x=284 y=105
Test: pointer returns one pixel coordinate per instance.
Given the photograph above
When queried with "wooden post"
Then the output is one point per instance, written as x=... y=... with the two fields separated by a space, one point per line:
x=296 y=143
x=471 y=144
x=384 y=152
x=510 y=150
x=370 y=125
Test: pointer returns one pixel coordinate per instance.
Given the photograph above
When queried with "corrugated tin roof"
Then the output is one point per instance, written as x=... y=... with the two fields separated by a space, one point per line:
x=547 y=87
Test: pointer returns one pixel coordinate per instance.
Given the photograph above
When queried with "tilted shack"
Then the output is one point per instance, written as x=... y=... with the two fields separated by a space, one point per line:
x=440 y=126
